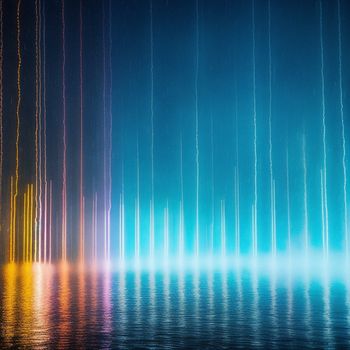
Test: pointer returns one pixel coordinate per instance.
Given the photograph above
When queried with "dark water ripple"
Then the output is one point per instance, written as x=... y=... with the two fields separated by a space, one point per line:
x=61 y=307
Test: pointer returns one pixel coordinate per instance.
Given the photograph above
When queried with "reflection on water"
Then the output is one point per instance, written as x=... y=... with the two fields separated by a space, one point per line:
x=63 y=307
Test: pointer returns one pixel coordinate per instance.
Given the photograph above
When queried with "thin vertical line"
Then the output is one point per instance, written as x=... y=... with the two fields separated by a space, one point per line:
x=64 y=170
x=197 y=136
x=341 y=98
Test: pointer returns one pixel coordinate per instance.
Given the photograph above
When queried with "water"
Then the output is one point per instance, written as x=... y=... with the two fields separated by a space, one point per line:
x=64 y=307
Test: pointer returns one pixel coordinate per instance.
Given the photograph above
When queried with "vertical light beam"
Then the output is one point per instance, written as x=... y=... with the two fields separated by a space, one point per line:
x=197 y=136
x=104 y=137
x=151 y=241
x=40 y=153
x=18 y=107
x=341 y=103
x=137 y=204
x=37 y=238
x=288 y=205
x=223 y=229
x=181 y=214
x=64 y=136
x=255 y=205
x=50 y=225
x=1 y=110
x=110 y=135
x=306 y=209
x=44 y=132
x=166 y=233
x=81 y=145
x=324 y=141
x=212 y=223
x=236 y=189
x=272 y=197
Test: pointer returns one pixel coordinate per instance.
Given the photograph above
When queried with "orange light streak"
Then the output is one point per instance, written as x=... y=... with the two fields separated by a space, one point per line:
x=40 y=132
x=11 y=219
x=24 y=227
x=15 y=191
x=27 y=222
x=45 y=221
x=1 y=110
x=37 y=243
x=31 y=187
x=44 y=134
x=50 y=225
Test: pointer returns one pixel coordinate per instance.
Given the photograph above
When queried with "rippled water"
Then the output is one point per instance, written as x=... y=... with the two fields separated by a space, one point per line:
x=57 y=307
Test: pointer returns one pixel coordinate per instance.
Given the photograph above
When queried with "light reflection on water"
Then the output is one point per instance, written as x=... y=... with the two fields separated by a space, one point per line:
x=63 y=307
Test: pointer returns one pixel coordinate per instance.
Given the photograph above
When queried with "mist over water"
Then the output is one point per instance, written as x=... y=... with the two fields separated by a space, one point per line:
x=46 y=306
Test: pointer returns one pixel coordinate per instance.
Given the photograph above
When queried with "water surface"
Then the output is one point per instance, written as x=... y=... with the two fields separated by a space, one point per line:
x=64 y=307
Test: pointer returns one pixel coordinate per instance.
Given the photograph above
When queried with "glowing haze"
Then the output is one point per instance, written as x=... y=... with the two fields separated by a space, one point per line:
x=214 y=141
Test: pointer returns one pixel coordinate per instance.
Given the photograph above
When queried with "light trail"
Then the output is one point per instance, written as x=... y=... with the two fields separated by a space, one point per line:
x=306 y=209
x=255 y=205
x=93 y=227
x=322 y=212
x=166 y=232
x=96 y=225
x=341 y=103
x=236 y=189
x=1 y=110
x=83 y=228
x=237 y=214
x=151 y=248
x=27 y=221
x=37 y=240
x=274 y=252
x=137 y=204
x=197 y=140
x=64 y=168
x=122 y=220
x=31 y=187
x=110 y=134
x=181 y=216
x=272 y=197
x=45 y=221
x=24 y=227
x=11 y=220
x=50 y=225
x=40 y=194
x=25 y=243
x=253 y=230
x=81 y=144
x=121 y=229
x=44 y=129
x=212 y=187
x=104 y=135
x=324 y=133
x=18 y=106
x=288 y=206
x=223 y=229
